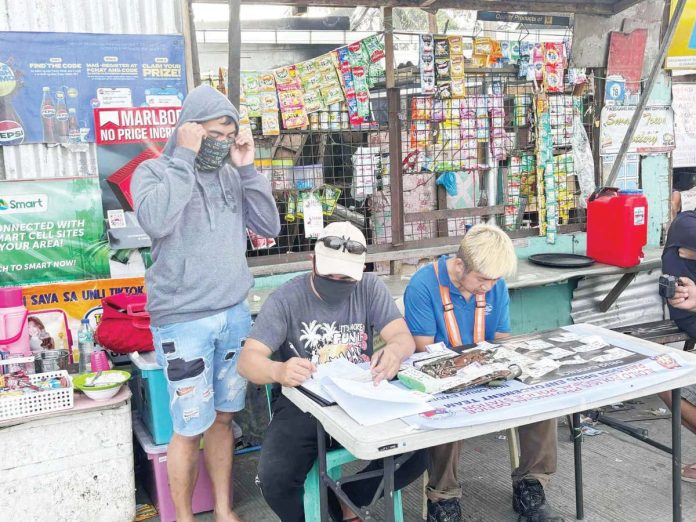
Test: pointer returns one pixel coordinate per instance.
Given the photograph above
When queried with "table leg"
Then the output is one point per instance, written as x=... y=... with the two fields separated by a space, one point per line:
x=577 y=453
x=323 y=491
x=389 y=489
x=676 y=456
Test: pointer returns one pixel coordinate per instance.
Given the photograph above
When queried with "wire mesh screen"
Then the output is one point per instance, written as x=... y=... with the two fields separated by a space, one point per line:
x=340 y=168
x=469 y=150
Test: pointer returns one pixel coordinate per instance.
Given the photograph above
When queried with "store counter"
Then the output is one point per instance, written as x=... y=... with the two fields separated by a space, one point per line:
x=72 y=465
x=528 y=275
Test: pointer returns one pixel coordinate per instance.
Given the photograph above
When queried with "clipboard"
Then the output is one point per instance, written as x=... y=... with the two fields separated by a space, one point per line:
x=316 y=398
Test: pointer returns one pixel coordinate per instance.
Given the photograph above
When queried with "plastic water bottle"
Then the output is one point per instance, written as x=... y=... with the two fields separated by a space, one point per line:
x=85 y=345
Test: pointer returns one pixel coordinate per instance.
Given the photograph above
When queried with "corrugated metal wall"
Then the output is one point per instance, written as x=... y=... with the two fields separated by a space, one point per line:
x=639 y=303
x=78 y=16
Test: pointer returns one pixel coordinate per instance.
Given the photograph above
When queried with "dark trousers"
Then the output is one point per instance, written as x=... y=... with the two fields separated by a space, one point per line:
x=688 y=325
x=288 y=452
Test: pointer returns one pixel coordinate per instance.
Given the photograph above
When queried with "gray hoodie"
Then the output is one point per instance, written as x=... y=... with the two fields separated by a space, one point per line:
x=197 y=222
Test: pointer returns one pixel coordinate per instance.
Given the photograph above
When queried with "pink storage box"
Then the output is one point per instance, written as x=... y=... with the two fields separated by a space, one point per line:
x=156 y=481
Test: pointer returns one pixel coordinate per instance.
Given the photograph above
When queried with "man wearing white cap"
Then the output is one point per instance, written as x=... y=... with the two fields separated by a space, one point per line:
x=315 y=318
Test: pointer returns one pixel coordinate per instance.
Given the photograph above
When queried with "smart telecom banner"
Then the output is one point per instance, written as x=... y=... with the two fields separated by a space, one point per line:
x=51 y=82
x=126 y=138
x=51 y=230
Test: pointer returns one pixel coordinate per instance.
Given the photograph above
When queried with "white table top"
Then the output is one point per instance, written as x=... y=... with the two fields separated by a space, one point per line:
x=396 y=437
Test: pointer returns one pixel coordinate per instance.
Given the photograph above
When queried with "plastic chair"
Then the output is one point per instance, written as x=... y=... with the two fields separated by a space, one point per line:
x=335 y=459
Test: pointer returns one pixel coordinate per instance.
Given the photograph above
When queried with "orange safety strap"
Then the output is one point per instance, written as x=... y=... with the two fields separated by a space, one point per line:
x=453 y=333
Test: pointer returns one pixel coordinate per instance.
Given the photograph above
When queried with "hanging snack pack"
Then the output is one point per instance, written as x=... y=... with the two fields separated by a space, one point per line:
x=483 y=47
x=310 y=77
x=553 y=67
x=270 y=125
x=290 y=98
x=329 y=199
x=352 y=62
x=373 y=48
x=442 y=66
x=536 y=63
x=252 y=92
x=329 y=84
x=456 y=49
x=525 y=50
x=427 y=63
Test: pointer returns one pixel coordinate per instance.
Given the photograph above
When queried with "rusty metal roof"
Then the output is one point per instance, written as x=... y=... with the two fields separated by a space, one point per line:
x=592 y=7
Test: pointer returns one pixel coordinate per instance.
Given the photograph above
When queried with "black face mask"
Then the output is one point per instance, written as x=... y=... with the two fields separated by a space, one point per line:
x=212 y=153
x=333 y=292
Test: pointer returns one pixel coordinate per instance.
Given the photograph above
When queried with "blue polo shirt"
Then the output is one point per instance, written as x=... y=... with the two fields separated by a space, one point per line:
x=424 y=314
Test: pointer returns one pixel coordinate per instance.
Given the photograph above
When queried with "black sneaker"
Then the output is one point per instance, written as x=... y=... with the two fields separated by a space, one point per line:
x=529 y=500
x=444 y=511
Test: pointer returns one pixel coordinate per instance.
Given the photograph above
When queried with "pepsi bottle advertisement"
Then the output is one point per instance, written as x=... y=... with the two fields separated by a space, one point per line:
x=50 y=83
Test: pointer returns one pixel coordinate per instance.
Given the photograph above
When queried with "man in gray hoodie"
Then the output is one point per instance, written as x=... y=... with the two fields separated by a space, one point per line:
x=196 y=202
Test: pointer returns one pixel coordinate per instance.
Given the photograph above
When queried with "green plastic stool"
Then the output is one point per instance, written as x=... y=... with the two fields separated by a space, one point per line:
x=335 y=459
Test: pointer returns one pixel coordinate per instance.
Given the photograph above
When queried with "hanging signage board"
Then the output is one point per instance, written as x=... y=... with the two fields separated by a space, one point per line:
x=527 y=19
x=655 y=132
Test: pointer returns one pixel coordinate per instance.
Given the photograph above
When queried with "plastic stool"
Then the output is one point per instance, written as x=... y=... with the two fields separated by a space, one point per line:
x=334 y=460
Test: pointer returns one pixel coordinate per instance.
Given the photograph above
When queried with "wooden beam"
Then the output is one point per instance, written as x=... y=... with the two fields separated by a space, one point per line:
x=622 y=5
x=454 y=213
x=616 y=292
x=234 y=39
x=592 y=7
x=190 y=56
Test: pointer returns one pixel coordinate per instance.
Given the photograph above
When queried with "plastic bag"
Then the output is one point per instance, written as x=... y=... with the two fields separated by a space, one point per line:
x=583 y=160
x=449 y=181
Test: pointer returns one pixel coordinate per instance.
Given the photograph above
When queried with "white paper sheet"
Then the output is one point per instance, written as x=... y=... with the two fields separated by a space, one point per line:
x=369 y=404
x=341 y=368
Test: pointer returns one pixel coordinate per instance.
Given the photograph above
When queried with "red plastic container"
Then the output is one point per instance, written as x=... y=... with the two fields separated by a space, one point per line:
x=617 y=227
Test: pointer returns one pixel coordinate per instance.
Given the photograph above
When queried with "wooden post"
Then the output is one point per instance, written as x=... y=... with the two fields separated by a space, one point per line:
x=234 y=39
x=396 y=185
x=190 y=45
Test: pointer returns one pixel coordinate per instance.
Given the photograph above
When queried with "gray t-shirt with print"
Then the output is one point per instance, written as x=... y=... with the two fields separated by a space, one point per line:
x=294 y=319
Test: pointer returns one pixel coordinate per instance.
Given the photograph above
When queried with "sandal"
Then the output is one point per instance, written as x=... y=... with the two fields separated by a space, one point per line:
x=688 y=473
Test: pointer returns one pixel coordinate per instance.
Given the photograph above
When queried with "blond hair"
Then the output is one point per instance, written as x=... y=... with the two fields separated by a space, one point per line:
x=488 y=250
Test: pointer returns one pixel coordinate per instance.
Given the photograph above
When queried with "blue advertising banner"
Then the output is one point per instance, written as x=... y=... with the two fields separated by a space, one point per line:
x=51 y=82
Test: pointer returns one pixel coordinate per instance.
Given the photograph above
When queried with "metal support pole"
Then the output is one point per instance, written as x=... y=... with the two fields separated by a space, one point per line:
x=234 y=58
x=577 y=454
x=676 y=456
x=389 y=489
x=323 y=490
x=657 y=67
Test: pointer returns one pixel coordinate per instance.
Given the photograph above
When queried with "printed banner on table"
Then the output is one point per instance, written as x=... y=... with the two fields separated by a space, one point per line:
x=51 y=82
x=78 y=300
x=682 y=52
x=655 y=132
x=126 y=138
x=602 y=382
x=51 y=230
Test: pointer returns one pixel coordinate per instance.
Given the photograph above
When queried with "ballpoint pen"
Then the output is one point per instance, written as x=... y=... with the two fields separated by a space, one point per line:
x=294 y=350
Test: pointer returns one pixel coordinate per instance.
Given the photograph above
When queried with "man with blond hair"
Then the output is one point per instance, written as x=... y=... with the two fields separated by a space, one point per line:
x=461 y=300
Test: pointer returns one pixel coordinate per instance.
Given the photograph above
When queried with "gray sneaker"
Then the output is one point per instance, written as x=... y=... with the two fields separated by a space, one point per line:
x=529 y=501
x=444 y=511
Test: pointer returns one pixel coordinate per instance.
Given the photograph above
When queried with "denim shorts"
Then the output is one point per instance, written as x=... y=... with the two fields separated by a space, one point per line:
x=200 y=365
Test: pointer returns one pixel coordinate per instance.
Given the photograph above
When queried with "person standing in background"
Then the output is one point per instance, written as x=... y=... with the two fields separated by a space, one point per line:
x=196 y=202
